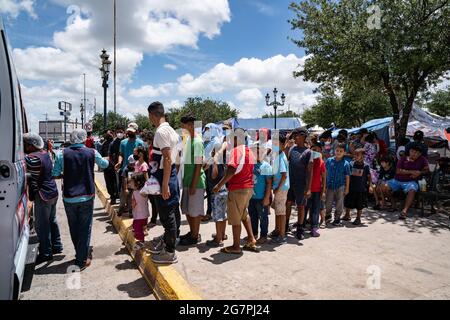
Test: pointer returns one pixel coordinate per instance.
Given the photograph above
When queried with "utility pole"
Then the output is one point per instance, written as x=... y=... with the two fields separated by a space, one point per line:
x=46 y=126
x=83 y=113
x=115 y=46
x=66 y=109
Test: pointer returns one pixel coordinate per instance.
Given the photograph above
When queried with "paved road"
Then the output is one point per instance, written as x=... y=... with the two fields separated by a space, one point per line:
x=112 y=275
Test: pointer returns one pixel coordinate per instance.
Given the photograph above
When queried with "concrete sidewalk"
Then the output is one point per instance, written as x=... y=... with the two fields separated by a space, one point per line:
x=382 y=259
x=111 y=276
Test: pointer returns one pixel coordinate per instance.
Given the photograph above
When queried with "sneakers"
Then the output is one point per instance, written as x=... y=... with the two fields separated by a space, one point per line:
x=139 y=245
x=279 y=240
x=261 y=240
x=315 y=233
x=188 y=241
x=337 y=223
x=357 y=222
x=156 y=246
x=41 y=259
x=187 y=235
x=402 y=216
x=274 y=234
x=299 y=234
x=165 y=257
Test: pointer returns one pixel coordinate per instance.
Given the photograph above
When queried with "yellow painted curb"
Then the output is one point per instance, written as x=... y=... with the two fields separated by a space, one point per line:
x=165 y=281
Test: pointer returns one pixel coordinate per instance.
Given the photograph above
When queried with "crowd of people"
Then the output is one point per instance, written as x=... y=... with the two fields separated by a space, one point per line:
x=244 y=176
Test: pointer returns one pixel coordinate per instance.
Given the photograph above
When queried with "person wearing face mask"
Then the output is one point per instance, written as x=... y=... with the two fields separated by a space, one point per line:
x=126 y=149
x=113 y=153
x=109 y=173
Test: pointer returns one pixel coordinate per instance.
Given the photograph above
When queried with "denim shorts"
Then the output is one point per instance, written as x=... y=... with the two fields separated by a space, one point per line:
x=396 y=185
x=219 y=206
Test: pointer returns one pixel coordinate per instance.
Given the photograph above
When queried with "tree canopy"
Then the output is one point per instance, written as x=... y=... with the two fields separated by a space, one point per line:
x=403 y=46
x=205 y=110
x=440 y=103
x=285 y=114
x=114 y=120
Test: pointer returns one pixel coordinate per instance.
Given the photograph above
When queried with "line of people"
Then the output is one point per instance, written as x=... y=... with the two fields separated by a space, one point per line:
x=244 y=176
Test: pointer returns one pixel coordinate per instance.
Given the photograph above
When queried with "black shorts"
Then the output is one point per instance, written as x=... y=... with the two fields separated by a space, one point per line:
x=297 y=194
x=356 y=200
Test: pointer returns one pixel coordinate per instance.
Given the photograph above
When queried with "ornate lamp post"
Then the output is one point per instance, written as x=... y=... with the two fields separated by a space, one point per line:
x=104 y=69
x=275 y=104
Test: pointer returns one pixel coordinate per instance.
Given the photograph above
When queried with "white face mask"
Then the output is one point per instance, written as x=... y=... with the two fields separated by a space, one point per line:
x=207 y=136
x=120 y=135
x=316 y=155
x=327 y=143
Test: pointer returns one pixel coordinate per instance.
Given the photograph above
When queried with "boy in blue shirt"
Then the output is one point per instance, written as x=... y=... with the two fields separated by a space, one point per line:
x=280 y=168
x=259 y=204
x=338 y=183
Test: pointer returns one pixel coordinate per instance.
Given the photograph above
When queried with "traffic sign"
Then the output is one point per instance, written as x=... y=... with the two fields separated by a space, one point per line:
x=67 y=113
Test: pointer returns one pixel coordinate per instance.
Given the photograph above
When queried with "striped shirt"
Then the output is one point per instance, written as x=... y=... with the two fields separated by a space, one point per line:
x=40 y=181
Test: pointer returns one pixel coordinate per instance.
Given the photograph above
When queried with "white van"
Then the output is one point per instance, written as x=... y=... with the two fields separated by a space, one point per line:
x=15 y=252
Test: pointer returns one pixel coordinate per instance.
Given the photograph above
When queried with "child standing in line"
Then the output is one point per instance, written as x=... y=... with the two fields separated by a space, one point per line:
x=360 y=180
x=215 y=173
x=280 y=168
x=139 y=205
x=259 y=204
x=318 y=187
x=338 y=183
x=140 y=155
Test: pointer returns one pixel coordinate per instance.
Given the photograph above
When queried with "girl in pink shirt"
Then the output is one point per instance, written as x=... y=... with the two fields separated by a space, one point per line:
x=141 y=157
x=139 y=205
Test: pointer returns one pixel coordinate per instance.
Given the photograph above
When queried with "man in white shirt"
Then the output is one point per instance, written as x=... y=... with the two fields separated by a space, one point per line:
x=165 y=153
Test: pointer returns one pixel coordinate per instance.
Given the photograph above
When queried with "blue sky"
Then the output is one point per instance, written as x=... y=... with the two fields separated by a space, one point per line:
x=234 y=50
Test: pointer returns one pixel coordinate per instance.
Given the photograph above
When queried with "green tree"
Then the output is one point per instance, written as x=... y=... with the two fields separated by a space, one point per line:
x=406 y=52
x=440 y=103
x=286 y=114
x=142 y=121
x=355 y=106
x=205 y=110
x=113 y=121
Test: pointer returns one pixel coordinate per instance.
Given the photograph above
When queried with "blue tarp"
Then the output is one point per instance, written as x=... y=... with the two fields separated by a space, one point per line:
x=282 y=123
x=379 y=126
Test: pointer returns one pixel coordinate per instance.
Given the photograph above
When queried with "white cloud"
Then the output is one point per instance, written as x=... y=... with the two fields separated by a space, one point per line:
x=14 y=7
x=170 y=67
x=144 y=27
x=151 y=91
x=247 y=73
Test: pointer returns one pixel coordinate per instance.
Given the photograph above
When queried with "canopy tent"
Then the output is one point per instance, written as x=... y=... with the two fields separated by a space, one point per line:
x=432 y=125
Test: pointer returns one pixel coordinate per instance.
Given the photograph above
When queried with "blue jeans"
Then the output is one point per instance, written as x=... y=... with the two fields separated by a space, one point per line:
x=79 y=216
x=259 y=213
x=314 y=206
x=46 y=226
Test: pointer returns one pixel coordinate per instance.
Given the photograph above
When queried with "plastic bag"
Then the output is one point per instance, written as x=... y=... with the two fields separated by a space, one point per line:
x=151 y=187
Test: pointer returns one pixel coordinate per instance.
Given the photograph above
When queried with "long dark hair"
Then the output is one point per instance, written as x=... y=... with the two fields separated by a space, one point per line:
x=139 y=180
x=144 y=151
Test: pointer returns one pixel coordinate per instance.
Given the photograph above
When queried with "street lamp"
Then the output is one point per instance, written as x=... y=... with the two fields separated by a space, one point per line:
x=104 y=69
x=275 y=104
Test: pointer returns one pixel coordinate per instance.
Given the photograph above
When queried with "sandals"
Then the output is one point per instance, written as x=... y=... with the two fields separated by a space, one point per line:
x=250 y=247
x=227 y=251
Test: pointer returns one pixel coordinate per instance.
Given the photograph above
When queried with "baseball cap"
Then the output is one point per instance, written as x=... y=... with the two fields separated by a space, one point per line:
x=300 y=131
x=132 y=127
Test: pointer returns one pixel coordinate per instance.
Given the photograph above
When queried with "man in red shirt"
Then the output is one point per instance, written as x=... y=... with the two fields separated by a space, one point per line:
x=239 y=181
x=90 y=141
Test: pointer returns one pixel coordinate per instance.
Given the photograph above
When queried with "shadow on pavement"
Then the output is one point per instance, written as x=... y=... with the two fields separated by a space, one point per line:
x=219 y=257
x=126 y=265
x=435 y=223
x=136 y=289
x=51 y=268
